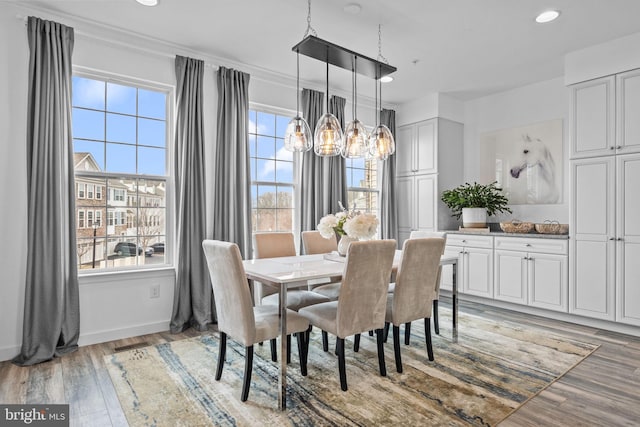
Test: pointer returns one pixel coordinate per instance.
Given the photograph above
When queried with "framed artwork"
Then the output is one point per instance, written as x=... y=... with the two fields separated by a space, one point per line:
x=526 y=162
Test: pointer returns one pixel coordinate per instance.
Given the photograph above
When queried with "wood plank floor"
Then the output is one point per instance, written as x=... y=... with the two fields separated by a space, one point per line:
x=604 y=390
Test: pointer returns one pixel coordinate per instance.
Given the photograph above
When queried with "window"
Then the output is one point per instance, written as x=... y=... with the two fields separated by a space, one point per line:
x=120 y=131
x=362 y=184
x=272 y=173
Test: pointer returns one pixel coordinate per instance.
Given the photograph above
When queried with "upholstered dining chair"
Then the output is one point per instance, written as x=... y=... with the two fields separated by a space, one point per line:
x=416 y=282
x=276 y=245
x=237 y=317
x=362 y=302
x=314 y=243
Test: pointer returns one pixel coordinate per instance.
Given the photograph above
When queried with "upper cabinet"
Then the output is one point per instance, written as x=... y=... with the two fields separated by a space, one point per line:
x=593 y=118
x=628 y=117
x=417 y=148
x=605 y=116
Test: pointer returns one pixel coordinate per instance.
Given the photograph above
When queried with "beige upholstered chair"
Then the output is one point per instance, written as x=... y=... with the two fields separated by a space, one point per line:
x=362 y=302
x=416 y=281
x=237 y=318
x=314 y=243
x=275 y=245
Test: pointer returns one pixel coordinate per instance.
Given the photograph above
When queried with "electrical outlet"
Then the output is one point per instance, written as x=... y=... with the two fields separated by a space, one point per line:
x=154 y=291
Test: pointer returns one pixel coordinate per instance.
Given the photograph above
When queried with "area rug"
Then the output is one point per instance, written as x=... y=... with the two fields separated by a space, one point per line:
x=492 y=370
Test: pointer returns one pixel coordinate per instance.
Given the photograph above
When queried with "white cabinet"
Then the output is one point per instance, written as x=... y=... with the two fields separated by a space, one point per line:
x=593 y=118
x=427 y=154
x=532 y=271
x=418 y=212
x=628 y=112
x=475 y=264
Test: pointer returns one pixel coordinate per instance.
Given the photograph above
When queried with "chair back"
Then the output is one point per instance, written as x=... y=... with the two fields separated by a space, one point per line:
x=418 y=234
x=274 y=245
x=416 y=279
x=314 y=243
x=231 y=293
x=363 y=292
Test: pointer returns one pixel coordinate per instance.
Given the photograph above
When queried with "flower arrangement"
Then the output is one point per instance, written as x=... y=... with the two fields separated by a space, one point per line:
x=348 y=222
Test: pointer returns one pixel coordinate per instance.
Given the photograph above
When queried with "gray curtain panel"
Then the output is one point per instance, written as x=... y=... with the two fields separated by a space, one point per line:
x=232 y=191
x=388 y=205
x=51 y=308
x=324 y=179
x=193 y=298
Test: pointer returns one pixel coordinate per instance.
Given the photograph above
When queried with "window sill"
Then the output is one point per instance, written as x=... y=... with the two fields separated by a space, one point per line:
x=110 y=276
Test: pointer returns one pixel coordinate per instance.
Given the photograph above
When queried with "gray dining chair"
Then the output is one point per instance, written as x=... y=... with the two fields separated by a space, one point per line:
x=237 y=317
x=361 y=305
x=416 y=282
x=314 y=243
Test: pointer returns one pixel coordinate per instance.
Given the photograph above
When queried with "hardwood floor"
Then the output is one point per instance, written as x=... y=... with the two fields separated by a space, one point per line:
x=604 y=390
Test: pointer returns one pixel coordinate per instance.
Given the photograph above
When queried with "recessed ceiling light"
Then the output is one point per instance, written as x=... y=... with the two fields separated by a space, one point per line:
x=386 y=79
x=148 y=2
x=353 y=8
x=547 y=16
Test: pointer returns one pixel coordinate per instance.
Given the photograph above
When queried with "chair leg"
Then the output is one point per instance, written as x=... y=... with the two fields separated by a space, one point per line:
x=370 y=333
x=325 y=341
x=386 y=331
x=407 y=333
x=248 y=367
x=341 y=366
x=427 y=334
x=288 y=349
x=307 y=338
x=356 y=343
x=436 y=321
x=221 y=354
x=396 y=347
x=379 y=339
x=274 y=352
x=301 y=353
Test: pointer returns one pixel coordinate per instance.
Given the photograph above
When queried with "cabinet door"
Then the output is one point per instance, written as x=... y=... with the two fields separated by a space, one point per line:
x=477 y=276
x=511 y=276
x=425 y=149
x=406 y=203
x=592 y=275
x=628 y=245
x=446 y=281
x=592 y=118
x=404 y=137
x=628 y=112
x=425 y=201
x=548 y=281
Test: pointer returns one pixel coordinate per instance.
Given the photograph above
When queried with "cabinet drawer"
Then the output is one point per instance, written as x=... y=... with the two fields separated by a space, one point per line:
x=470 y=240
x=548 y=246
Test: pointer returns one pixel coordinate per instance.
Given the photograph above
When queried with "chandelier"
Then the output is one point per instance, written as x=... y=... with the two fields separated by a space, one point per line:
x=328 y=139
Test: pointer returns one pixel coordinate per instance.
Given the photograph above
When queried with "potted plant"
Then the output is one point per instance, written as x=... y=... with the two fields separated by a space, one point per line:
x=474 y=202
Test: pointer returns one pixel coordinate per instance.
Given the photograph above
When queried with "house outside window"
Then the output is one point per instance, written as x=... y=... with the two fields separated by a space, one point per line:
x=120 y=130
x=272 y=173
x=362 y=185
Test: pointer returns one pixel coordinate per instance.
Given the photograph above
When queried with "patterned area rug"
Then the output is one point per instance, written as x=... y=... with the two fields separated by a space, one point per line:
x=490 y=372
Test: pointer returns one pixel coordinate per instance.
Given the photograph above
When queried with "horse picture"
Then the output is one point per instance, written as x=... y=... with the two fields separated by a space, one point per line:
x=526 y=162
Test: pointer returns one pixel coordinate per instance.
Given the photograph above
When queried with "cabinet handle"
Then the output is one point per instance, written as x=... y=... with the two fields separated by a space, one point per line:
x=612 y=148
x=619 y=239
x=530 y=258
x=619 y=147
x=528 y=245
x=612 y=238
x=464 y=241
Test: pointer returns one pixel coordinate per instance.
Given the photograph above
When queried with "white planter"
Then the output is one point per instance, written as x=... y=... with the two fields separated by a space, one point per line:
x=343 y=244
x=474 y=217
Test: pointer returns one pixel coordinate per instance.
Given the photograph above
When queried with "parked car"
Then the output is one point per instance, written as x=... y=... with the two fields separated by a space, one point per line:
x=158 y=247
x=127 y=249
x=148 y=251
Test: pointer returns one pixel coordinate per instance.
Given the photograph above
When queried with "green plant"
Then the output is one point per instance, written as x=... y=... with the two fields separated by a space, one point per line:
x=476 y=195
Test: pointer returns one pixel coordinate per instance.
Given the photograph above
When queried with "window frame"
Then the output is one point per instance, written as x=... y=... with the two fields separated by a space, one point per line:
x=168 y=179
x=377 y=190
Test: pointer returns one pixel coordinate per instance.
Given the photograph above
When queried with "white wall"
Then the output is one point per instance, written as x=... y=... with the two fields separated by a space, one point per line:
x=526 y=105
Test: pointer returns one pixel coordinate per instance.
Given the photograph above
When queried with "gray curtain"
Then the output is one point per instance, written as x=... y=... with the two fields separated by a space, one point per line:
x=192 y=301
x=388 y=205
x=323 y=182
x=232 y=191
x=51 y=308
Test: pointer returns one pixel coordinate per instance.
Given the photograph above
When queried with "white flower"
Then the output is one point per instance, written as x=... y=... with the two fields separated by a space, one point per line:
x=363 y=226
x=327 y=225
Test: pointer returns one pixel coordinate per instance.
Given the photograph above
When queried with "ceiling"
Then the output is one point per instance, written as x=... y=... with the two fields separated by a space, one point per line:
x=463 y=48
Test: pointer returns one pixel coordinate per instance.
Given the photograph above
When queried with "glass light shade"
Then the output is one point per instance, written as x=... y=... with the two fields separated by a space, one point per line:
x=355 y=140
x=297 y=137
x=381 y=143
x=327 y=138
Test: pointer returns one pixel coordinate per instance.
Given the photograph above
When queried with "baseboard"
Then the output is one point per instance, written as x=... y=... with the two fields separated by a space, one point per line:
x=118 y=334
x=555 y=315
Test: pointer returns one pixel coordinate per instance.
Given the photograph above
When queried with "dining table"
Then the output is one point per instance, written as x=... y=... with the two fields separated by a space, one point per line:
x=293 y=271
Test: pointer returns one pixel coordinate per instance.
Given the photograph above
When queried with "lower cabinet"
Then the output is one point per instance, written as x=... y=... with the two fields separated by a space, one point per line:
x=532 y=271
x=475 y=264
